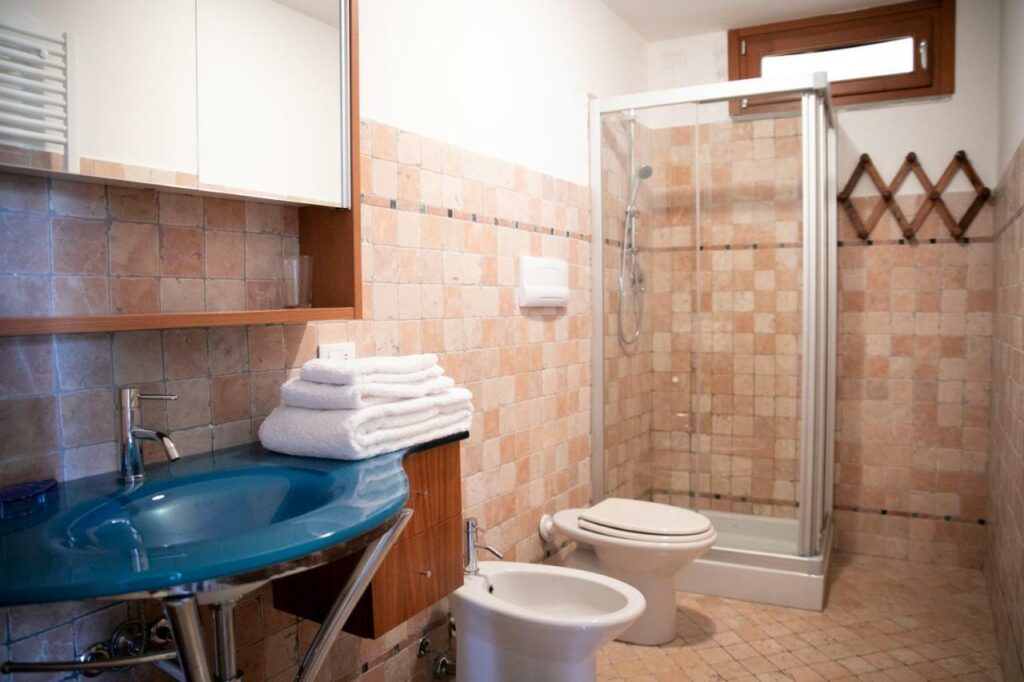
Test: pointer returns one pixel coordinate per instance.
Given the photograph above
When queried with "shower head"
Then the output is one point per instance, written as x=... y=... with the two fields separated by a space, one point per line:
x=641 y=173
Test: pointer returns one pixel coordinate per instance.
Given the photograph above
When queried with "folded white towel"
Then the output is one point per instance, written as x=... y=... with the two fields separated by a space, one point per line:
x=362 y=433
x=376 y=369
x=315 y=396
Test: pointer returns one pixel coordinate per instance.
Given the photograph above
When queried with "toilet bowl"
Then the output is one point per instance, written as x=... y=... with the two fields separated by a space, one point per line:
x=518 y=622
x=640 y=543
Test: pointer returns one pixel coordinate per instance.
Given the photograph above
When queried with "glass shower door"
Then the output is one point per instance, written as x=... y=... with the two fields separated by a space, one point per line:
x=648 y=214
x=748 y=365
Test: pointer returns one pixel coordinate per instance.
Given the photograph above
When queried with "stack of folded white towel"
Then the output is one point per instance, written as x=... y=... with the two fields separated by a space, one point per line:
x=355 y=409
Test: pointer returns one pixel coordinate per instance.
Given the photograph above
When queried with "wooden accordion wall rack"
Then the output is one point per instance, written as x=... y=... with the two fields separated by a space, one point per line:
x=933 y=200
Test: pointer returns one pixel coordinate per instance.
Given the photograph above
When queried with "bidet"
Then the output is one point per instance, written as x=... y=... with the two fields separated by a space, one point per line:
x=519 y=622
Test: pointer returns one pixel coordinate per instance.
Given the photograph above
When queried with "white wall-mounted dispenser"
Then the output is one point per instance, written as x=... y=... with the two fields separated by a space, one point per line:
x=543 y=282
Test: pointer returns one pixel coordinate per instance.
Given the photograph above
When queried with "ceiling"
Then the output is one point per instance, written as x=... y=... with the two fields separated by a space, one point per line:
x=665 y=19
x=321 y=10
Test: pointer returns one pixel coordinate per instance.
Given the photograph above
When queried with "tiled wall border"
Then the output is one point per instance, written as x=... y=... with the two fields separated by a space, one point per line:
x=480 y=219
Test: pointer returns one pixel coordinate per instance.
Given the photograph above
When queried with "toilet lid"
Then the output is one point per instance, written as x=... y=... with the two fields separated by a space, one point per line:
x=638 y=516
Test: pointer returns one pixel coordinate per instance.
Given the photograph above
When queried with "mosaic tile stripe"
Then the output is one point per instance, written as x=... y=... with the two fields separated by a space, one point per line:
x=440 y=211
x=730 y=498
x=909 y=515
x=795 y=245
x=915 y=242
x=711 y=247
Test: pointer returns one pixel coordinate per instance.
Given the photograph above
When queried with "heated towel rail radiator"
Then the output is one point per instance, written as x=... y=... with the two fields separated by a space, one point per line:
x=35 y=96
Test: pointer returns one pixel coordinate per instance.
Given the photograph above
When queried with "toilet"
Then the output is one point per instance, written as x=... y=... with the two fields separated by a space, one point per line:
x=522 y=622
x=644 y=544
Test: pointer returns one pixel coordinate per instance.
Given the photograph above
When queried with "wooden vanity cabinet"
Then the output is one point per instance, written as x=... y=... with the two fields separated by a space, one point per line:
x=422 y=568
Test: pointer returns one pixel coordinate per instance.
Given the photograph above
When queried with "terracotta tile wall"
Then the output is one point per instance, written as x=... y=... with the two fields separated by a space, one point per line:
x=913 y=388
x=1005 y=564
x=88 y=249
x=440 y=276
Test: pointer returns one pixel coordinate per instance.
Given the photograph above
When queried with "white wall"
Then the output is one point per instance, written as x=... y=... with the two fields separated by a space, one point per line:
x=506 y=78
x=935 y=129
x=1011 y=81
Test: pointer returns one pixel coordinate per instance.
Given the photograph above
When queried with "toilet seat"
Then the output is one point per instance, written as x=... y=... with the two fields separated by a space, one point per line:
x=644 y=521
x=640 y=537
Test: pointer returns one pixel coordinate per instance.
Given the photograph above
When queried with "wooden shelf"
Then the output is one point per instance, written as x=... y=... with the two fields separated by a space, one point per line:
x=27 y=326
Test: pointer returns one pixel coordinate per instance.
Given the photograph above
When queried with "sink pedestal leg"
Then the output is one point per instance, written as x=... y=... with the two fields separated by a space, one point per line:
x=225 y=651
x=368 y=564
x=183 y=614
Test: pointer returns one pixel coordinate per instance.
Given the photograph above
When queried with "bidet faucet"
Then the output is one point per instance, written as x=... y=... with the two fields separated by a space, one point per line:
x=470 y=567
x=132 y=466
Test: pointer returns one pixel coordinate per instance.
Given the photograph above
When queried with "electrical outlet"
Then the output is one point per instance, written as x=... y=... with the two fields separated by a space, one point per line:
x=336 y=351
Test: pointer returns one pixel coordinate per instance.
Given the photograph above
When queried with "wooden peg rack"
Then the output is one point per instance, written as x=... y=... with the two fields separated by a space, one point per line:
x=957 y=228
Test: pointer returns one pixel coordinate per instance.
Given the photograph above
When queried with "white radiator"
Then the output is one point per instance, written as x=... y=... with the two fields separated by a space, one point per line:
x=35 y=93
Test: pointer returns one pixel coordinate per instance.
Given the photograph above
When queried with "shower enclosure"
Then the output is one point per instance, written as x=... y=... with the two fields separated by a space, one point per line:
x=714 y=276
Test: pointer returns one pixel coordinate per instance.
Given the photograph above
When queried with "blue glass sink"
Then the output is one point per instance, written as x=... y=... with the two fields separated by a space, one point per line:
x=234 y=512
x=181 y=511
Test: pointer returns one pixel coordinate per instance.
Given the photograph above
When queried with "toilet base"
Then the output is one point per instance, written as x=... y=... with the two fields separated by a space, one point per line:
x=480 y=660
x=657 y=625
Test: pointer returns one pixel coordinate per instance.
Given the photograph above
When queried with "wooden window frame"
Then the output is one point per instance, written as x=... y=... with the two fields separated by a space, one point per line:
x=931 y=20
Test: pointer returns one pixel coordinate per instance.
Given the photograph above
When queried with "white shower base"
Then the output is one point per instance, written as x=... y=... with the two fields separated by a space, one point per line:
x=755 y=559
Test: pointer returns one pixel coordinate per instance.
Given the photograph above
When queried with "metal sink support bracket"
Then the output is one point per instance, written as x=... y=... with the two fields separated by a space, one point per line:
x=182 y=611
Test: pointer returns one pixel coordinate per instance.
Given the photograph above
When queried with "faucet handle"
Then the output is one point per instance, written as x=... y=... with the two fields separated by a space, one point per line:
x=493 y=551
x=158 y=396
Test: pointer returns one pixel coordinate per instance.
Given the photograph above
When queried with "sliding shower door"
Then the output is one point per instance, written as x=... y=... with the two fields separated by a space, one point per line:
x=648 y=217
x=748 y=365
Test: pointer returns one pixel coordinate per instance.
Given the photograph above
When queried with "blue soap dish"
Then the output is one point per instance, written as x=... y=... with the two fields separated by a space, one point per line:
x=23 y=499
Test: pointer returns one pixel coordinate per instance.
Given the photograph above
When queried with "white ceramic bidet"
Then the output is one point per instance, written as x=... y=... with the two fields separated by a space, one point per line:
x=528 y=622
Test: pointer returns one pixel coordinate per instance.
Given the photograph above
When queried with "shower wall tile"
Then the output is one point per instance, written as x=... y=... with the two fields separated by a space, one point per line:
x=444 y=284
x=1005 y=563
x=725 y=420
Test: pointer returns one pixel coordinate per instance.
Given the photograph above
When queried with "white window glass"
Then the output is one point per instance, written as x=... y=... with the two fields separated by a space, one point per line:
x=846 y=63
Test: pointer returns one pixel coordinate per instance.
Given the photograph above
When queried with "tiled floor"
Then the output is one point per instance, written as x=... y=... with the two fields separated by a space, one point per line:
x=885 y=620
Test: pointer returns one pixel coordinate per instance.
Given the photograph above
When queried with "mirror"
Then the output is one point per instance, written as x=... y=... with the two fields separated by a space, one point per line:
x=271 y=99
x=105 y=88
x=242 y=97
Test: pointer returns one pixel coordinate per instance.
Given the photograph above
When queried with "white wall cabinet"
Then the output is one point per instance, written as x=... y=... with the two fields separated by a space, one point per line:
x=247 y=97
x=131 y=86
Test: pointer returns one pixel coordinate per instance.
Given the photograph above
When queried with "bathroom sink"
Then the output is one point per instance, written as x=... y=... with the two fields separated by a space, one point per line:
x=198 y=508
x=201 y=524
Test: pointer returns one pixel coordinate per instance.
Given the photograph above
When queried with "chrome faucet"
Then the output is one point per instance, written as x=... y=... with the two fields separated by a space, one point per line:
x=470 y=567
x=132 y=468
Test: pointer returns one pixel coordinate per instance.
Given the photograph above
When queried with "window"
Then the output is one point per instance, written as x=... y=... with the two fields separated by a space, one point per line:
x=883 y=53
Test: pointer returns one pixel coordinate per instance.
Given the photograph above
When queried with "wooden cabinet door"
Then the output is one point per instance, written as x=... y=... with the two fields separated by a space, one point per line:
x=419 y=572
x=435 y=488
